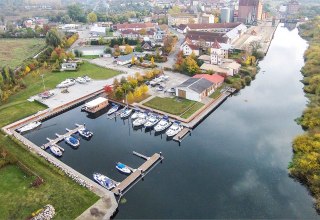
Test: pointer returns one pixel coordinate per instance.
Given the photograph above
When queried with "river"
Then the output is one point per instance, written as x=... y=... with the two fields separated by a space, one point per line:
x=234 y=165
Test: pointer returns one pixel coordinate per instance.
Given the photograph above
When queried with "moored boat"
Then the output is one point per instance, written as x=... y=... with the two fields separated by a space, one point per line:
x=29 y=126
x=56 y=151
x=123 y=168
x=104 y=181
x=151 y=121
x=174 y=129
x=139 y=122
x=126 y=112
x=85 y=133
x=162 y=125
x=74 y=142
x=113 y=109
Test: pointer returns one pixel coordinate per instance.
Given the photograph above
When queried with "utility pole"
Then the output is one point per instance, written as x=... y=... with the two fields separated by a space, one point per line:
x=44 y=87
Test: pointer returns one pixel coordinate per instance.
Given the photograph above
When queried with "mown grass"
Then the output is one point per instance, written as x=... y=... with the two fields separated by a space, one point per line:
x=173 y=105
x=192 y=110
x=18 y=200
x=14 y=51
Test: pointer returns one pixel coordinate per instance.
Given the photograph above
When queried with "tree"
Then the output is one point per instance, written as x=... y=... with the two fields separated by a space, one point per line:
x=108 y=50
x=108 y=89
x=144 y=89
x=128 y=49
x=92 y=17
x=143 y=31
x=119 y=93
x=152 y=61
x=174 y=10
x=190 y=65
x=138 y=48
x=53 y=38
x=137 y=93
x=132 y=60
x=76 y=13
x=116 y=83
x=130 y=97
x=138 y=77
x=66 y=19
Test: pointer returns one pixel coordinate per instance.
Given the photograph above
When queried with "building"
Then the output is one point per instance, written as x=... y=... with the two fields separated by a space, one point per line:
x=188 y=49
x=91 y=50
x=293 y=7
x=250 y=11
x=216 y=79
x=130 y=34
x=97 y=31
x=134 y=26
x=195 y=89
x=206 y=19
x=225 y=15
x=95 y=105
x=177 y=19
x=227 y=67
x=206 y=39
x=126 y=59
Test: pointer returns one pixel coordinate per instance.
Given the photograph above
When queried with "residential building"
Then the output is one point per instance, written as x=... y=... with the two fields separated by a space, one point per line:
x=205 y=39
x=130 y=34
x=97 y=31
x=68 y=67
x=177 y=19
x=188 y=49
x=126 y=59
x=250 y=11
x=206 y=18
x=293 y=7
x=146 y=45
x=195 y=89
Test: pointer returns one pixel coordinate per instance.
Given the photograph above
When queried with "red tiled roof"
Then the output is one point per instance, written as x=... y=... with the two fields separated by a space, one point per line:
x=213 y=26
x=206 y=36
x=214 y=78
x=216 y=44
x=129 y=32
x=135 y=25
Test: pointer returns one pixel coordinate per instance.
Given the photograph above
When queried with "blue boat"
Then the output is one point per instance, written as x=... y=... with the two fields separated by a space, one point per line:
x=74 y=142
x=123 y=168
x=113 y=109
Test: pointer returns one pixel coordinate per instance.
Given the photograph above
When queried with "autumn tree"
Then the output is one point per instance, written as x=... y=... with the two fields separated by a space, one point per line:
x=92 y=17
x=152 y=61
x=128 y=49
x=190 y=65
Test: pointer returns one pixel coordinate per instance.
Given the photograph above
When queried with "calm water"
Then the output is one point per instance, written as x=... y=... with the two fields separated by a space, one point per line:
x=233 y=166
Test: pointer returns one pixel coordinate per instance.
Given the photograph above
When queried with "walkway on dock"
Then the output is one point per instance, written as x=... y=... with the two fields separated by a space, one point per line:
x=138 y=173
x=61 y=137
x=179 y=137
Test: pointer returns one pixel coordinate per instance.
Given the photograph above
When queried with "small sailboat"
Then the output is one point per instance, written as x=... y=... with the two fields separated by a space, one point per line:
x=74 y=142
x=85 y=133
x=152 y=121
x=126 y=112
x=56 y=151
x=104 y=181
x=163 y=124
x=123 y=168
x=29 y=126
x=175 y=128
x=113 y=109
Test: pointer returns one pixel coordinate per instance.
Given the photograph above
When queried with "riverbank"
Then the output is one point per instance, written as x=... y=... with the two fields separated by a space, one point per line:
x=305 y=165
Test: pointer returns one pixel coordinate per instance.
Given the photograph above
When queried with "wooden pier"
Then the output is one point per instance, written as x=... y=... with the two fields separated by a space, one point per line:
x=61 y=137
x=179 y=137
x=137 y=174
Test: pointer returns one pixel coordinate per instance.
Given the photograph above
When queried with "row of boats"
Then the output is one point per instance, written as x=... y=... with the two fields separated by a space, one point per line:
x=108 y=183
x=148 y=120
x=71 y=140
x=70 y=82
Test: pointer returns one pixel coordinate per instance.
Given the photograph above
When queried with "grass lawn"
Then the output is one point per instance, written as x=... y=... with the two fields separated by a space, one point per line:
x=18 y=200
x=217 y=92
x=174 y=106
x=90 y=56
x=14 y=51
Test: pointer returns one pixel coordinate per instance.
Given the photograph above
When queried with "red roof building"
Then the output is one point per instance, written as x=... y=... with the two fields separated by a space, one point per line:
x=216 y=79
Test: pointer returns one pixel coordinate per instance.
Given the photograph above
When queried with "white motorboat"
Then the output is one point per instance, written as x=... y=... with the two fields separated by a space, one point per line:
x=140 y=120
x=81 y=80
x=152 y=121
x=165 y=77
x=162 y=125
x=135 y=115
x=85 y=133
x=113 y=109
x=56 y=151
x=174 y=129
x=66 y=83
x=123 y=168
x=126 y=112
x=87 y=78
x=29 y=126
x=104 y=181
x=74 y=142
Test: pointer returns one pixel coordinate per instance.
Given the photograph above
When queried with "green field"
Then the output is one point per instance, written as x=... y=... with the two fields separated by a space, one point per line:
x=14 y=51
x=183 y=107
x=17 y=199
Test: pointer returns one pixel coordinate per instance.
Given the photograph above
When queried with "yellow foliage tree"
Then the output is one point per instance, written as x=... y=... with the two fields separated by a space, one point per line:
x=130 y=97
x=128 y=49
x=152 y=61
x=137 y=93
x=27 y=70
x=144 y=89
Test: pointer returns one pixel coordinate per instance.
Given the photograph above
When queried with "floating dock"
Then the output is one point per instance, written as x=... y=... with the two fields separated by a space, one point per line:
x=138 y=174
x=61 y=137
x=179 y=137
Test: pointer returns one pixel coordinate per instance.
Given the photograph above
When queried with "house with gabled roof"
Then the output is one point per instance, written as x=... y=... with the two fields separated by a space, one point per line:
x=195 y=89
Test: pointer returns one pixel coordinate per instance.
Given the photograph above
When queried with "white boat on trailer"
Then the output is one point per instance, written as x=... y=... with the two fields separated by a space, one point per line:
x=163 y=124
x=29 y=126
x=81 y=80
x=104 y=181
x=174 y=129
x=113 y=109
x=56 y=151
x=123 y=168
